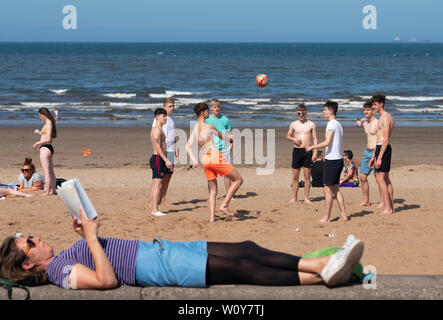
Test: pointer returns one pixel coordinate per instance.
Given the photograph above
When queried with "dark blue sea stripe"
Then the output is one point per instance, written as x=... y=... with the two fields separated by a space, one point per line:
x=121 y=253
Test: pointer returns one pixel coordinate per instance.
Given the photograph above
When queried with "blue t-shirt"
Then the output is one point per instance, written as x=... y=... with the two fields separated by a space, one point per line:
x=222 y=124
x=121 y=253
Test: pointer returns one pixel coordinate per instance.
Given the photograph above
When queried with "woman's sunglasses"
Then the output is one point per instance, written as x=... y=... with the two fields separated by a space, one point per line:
x=29 y=244
x=26 y=170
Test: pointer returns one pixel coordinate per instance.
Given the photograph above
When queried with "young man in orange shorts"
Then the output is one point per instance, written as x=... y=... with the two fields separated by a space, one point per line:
x=213 y=161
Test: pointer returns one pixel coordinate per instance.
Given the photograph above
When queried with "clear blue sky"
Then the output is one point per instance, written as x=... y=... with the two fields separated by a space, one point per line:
x=221 y=21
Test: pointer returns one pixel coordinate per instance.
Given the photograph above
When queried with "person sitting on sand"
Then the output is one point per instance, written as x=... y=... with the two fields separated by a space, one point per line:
x=350 y=178
x=29 y=179
x=214 y=163
x=104 y=263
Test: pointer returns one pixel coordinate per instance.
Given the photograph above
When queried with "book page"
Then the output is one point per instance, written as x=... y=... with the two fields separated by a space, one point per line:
x=70 y=198
x=87 y=206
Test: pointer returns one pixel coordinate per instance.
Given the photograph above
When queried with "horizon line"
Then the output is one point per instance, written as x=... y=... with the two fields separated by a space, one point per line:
x=224 y=42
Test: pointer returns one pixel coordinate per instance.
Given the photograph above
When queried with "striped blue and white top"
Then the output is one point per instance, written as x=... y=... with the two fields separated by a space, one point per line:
x=121 y=253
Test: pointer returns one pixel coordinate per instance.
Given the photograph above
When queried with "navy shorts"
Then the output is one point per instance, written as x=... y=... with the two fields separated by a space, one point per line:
x=332 y=171
x=158 y=167
x=301 y=158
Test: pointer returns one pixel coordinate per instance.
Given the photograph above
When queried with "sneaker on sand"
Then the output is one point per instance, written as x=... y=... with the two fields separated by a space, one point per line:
x=349 y=240
x=158 y=213
x=339 y=268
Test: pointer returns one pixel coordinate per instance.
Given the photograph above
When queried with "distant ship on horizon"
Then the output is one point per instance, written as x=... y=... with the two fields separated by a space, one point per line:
x=412 y=40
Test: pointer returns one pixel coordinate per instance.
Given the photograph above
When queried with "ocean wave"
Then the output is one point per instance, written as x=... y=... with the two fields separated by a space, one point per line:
x=424 y=110
x=249 y=101
x=179 y=93
x=274 y=107
x=59 y=91
x=403 y=98
x=159 y=95
x=183 y=101
x=120 y=95
x=41 y=104
x=139 y=106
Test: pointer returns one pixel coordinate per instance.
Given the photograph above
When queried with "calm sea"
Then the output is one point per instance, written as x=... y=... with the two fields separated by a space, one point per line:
x=120 y=84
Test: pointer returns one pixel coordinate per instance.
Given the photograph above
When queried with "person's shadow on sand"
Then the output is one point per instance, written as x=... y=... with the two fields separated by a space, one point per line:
x=193 y=201
x=240 y=216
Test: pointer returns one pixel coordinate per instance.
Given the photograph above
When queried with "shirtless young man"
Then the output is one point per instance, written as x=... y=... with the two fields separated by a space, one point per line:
x=171 y=149
x=159 y=162
x=369 y=124
x=381 y=159
x=214 y=163
x=300 y=133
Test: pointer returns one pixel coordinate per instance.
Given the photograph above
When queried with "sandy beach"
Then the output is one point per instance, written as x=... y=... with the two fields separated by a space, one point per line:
x=117 y=177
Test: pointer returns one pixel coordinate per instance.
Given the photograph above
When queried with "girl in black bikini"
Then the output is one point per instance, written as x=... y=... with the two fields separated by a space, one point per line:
x=48 y=132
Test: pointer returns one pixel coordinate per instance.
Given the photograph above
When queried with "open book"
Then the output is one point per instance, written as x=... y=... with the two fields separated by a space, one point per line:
x=74 y=197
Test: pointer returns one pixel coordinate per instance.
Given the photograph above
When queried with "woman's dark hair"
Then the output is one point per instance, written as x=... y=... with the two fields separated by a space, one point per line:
x=11 y=259
x=349 y=154
x=28 y=162
x=332 y=106
x=200 y=107
x=45 y=111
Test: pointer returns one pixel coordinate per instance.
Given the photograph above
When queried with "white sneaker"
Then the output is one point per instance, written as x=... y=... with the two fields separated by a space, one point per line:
x=340 y=265
x=158 y=213
x=349 y=240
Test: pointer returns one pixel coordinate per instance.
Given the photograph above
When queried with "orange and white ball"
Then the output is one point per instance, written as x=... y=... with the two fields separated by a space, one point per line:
x=261 y=80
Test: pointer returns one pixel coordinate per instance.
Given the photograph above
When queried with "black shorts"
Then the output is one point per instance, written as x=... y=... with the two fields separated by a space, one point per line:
x=385 y=160
x=49 y=146
x=158 y=166
x=301 y=158
x=332 y=171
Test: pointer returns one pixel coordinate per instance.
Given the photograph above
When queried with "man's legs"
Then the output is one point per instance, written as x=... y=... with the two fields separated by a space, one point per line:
x=307 y=175
x=390 y=190
x=328 y=203
x=227 y=182
x=236 y=182
x=164 y=189
x=295 y=177
x=364 y=189
x=383 y=185
x=156 y=186
x=213 y=188
x=330 y=193
x=341 y=202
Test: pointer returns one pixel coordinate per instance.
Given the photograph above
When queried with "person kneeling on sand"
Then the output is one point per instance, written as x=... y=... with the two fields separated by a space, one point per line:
x=104 y=263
